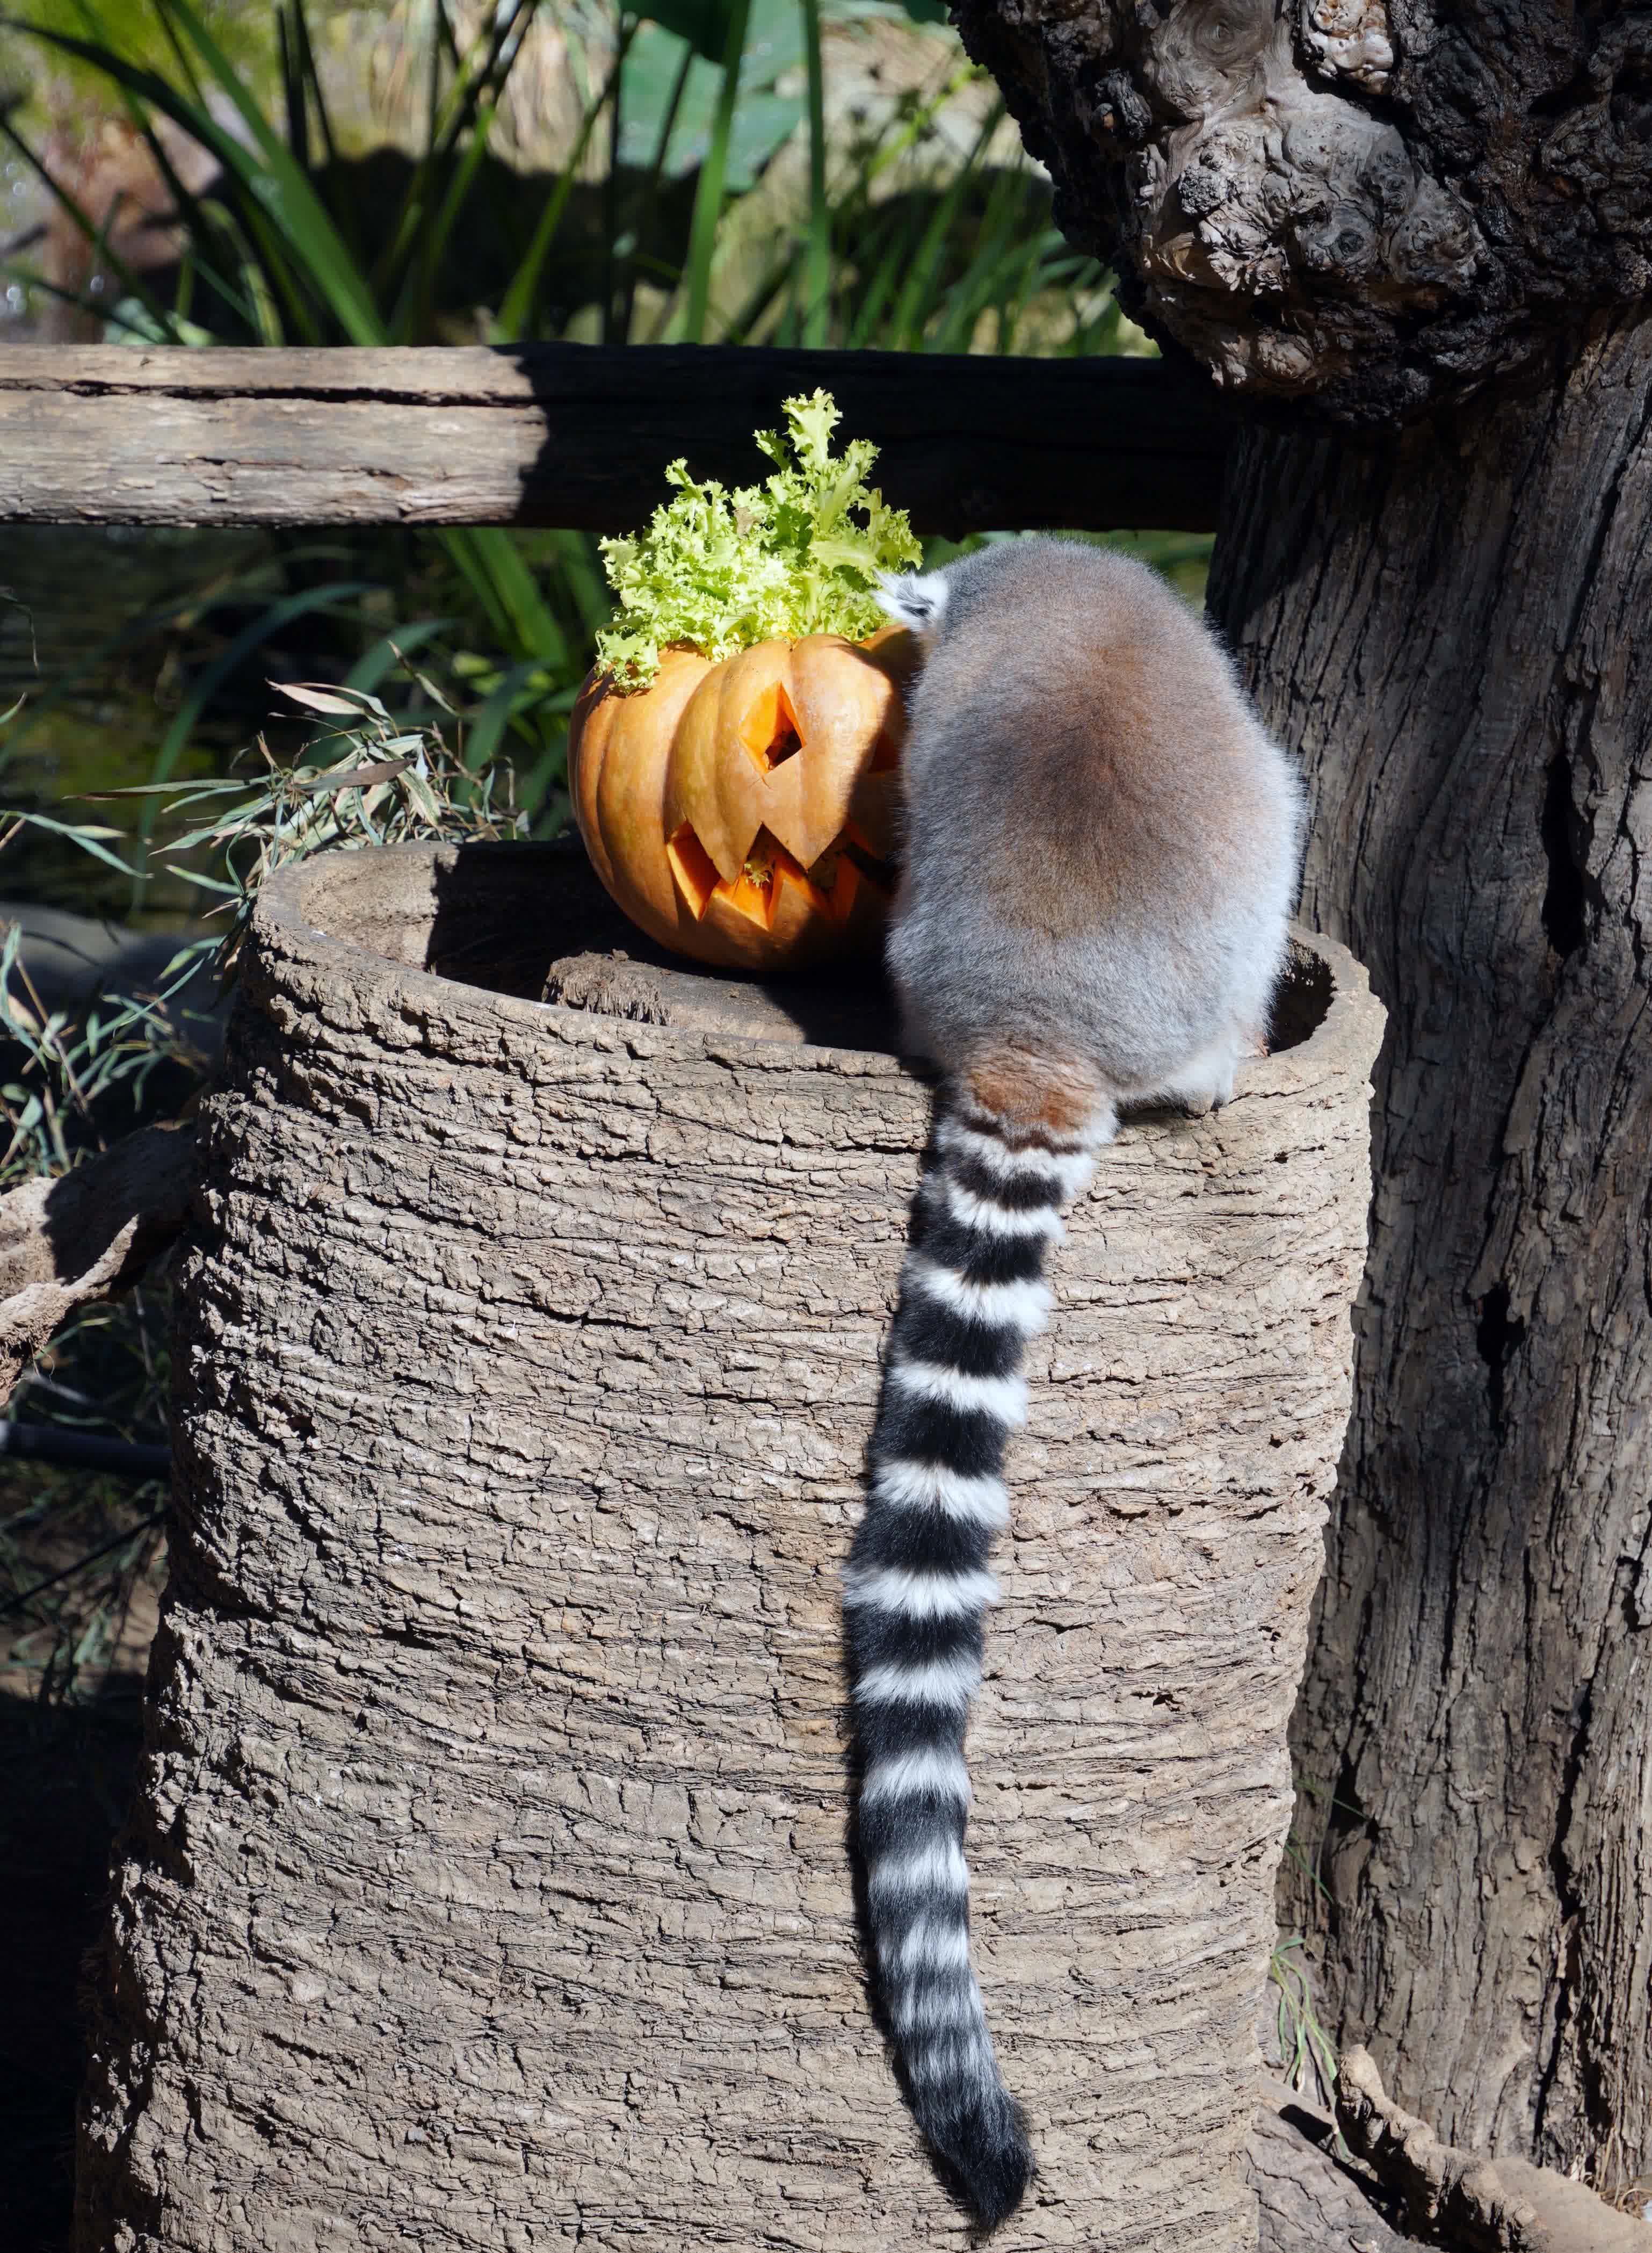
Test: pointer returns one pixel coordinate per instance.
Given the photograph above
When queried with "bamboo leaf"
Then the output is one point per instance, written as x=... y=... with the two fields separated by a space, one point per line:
x=424 y=799
x=319 y=700
x=354 y=779
x=87 y=835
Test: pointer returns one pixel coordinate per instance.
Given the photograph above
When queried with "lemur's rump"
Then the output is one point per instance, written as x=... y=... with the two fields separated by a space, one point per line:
x=1100 y=856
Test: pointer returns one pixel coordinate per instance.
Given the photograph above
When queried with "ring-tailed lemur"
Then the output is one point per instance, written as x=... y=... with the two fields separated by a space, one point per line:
x=1101 y=853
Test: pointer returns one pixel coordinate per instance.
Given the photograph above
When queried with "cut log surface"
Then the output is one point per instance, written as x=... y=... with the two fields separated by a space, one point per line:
x=568 y=434
x=488 y=1883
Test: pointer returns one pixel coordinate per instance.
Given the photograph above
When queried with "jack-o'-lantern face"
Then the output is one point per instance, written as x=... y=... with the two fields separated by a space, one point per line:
x=744 y=812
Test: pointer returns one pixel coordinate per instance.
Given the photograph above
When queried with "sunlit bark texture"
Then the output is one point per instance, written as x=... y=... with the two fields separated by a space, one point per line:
x=1398 y=215
x=1368 y=203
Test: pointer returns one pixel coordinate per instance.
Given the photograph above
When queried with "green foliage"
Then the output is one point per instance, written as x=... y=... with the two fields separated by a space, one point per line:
x=680 y=37
x=81 y=1550
x=364 y=777
x=269 y=255
x=799 y=553
x=971 y=262
x=69 y=1064
x=1306 y=2052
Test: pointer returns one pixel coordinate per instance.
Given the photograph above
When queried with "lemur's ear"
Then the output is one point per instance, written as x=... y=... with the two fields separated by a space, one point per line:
x=918 y=601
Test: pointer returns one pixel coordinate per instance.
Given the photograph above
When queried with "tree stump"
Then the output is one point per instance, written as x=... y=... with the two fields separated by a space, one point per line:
x=487 y=1885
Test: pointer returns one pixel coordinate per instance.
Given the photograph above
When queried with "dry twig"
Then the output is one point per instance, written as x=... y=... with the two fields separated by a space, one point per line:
x=83 y=1235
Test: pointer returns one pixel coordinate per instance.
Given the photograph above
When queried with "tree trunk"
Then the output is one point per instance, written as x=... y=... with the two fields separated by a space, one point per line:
x=488 y=1882
x=1309 y=2203
x=1455 y=628
x=1367 y=211
x=1368 y=205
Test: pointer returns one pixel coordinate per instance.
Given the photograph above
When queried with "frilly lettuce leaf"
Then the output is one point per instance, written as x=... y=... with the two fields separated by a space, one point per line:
x=799 y=553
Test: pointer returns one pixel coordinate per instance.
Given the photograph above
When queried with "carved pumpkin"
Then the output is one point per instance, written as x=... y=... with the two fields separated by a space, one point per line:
x=743 y=812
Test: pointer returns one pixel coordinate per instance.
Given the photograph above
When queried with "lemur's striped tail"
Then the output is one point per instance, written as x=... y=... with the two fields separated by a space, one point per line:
x=914 y=1591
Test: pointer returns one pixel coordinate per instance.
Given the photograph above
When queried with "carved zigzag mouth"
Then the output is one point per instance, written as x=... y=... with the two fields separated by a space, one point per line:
x=771 y=735
x=829 y=886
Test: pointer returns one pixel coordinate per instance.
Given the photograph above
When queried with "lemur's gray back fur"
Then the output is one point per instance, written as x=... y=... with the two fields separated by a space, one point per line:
x=1100 y=855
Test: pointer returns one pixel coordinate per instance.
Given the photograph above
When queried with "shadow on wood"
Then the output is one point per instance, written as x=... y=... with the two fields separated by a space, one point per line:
x=574 y=435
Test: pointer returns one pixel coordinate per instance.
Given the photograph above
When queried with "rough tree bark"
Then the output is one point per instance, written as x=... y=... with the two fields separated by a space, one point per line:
x=1309 y=2203
x=1354 y=211
x=1367 y=204
x=487 y=1883
x=1473 y=1732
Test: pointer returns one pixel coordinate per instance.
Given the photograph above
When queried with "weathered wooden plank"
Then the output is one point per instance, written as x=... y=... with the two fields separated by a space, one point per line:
x=567 y=435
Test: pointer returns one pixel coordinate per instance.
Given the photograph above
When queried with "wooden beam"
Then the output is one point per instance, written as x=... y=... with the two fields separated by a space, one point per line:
x=569 y=435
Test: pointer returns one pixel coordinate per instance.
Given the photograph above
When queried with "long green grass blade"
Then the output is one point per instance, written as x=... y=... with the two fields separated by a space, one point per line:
x=478 y=85
x=708 y=212
x=266 y=173
x=582 y=574
x=411 y=316
x=96 y=236
x=274 y=181
x=492 y=567
x=648 y=204
x=387 y=654
x=817 y=264
x=484 y=729
x=285 y=188
x=196 y=215
x=515 y=313
x=310 y=77
x=293 y=91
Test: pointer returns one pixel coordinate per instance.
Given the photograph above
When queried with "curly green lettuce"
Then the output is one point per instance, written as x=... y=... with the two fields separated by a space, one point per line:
x=799 y=553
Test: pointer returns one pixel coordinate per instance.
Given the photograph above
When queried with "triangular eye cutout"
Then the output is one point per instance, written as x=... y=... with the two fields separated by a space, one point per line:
x=769 y=730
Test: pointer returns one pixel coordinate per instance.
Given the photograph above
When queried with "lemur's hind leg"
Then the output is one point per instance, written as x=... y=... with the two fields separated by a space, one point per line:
x=1205 y=1082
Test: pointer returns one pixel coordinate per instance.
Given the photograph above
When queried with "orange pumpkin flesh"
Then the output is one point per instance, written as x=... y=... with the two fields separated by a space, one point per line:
x=738 y=811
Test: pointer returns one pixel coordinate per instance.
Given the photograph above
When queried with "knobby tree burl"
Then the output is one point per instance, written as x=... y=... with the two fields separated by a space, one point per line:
x=1411 y=241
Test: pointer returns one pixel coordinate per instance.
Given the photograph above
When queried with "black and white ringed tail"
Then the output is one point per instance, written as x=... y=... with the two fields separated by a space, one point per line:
x=915 y=1590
